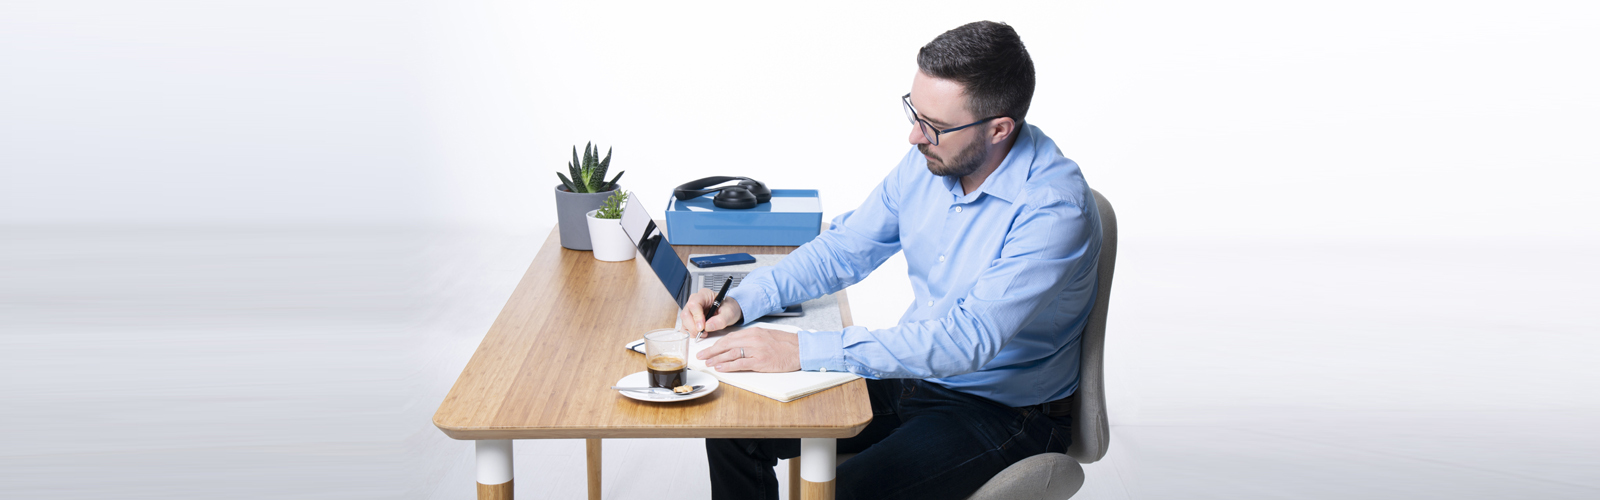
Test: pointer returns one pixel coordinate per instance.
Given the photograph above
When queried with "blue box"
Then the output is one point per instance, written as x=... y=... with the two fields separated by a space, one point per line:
x=793 y=218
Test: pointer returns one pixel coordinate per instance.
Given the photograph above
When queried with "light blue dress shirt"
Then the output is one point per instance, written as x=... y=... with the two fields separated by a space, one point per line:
x=1004 y=277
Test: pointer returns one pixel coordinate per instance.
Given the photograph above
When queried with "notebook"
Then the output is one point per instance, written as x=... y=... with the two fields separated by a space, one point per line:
x=784 y=387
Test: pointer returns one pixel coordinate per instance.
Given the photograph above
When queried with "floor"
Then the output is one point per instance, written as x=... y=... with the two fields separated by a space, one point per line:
x=306 y=363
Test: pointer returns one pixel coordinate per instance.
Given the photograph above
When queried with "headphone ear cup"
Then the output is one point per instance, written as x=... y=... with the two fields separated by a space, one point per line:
x=735 y=198
x=758 y=189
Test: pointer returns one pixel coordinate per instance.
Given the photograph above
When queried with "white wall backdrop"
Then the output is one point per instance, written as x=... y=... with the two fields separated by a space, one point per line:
x=1416 y=119
x=247 y=246
x=1413 y=119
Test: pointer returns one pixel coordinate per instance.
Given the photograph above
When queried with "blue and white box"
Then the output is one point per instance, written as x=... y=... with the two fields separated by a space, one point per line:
x=793 y=218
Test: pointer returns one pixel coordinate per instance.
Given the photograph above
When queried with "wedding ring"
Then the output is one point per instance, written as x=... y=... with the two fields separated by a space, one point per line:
x=741 y=352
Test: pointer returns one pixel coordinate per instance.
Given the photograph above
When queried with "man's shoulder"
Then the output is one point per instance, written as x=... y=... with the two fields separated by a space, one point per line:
x=1052 y=177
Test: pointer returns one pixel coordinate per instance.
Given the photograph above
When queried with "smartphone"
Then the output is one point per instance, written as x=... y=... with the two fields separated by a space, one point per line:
x=788 y=312
x=732 y=259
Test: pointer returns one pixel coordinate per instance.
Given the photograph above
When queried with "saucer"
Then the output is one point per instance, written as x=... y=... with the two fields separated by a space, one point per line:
x=642 y=379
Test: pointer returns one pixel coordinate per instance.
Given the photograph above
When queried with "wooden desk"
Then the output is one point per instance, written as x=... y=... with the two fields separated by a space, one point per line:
x=544 y=371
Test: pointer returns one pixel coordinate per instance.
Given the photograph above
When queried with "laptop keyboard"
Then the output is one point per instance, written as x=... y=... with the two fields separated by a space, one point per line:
x=714 y=281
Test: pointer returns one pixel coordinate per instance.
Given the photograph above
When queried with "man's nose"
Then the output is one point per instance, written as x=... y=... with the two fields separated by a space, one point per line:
x=917 y=137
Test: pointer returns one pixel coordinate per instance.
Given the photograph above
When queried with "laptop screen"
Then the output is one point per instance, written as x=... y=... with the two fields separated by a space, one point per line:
x=653 y=247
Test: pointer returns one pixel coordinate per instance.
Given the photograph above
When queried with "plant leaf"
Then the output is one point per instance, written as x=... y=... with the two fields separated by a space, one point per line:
x=612 y=208
x=567 y=182
x=584 y=170
x=572 y=169
x=613 y=184
x=591 y=174
x=600 y=171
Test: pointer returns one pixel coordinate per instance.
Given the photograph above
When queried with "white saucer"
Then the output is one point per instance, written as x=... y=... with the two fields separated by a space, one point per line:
x=642 y=379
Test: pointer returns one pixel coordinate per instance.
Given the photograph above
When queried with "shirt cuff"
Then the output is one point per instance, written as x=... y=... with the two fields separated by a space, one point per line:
x=822 y=351
x=752 y=303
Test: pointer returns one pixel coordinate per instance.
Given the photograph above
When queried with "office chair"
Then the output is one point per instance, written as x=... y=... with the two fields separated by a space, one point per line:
x=1054 y=476
x=1057 y=476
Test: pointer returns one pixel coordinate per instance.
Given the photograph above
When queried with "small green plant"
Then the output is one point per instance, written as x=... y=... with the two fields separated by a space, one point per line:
x=589 y=174
x=613 y=207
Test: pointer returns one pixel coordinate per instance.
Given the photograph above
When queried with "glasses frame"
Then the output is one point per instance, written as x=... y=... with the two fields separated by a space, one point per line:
x=916 y=118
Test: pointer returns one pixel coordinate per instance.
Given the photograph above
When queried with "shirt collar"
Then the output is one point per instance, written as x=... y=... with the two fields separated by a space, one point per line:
x=1007 y=180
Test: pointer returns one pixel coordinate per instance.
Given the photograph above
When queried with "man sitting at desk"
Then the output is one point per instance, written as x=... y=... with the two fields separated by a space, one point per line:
x=1001 y=236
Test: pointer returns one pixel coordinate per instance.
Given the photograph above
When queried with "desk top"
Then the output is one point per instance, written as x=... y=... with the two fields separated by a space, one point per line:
x=544 y=369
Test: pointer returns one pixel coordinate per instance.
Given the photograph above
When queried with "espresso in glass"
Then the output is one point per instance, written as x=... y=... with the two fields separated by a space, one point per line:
x=666 y=353
x=667 y=371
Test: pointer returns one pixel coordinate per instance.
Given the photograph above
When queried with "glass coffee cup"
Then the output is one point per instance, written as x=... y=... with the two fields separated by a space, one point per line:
x=666 y=356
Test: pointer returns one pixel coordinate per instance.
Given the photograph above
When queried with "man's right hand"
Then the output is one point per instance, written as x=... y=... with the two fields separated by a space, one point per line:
x=694 y=312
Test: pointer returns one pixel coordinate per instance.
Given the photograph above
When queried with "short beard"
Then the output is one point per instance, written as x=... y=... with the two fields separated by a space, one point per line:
x=964 y=164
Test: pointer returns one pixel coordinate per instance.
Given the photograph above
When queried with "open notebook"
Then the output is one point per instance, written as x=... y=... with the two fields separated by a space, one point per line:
x=783 y=387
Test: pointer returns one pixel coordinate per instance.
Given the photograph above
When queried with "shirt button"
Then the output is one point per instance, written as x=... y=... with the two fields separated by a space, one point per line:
x=958 y=209
x=941 y=258
x=930 y=303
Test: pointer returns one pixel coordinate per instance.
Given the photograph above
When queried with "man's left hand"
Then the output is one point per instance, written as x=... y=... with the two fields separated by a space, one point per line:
x=762 y=350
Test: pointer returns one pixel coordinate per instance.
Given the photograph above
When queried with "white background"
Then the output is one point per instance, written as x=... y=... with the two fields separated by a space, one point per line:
x=248 y=245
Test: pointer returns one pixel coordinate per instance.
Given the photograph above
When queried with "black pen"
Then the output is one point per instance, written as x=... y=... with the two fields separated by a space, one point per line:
x=716 y=304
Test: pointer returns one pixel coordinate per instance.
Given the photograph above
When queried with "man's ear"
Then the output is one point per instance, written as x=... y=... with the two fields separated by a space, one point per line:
x=1001 y=128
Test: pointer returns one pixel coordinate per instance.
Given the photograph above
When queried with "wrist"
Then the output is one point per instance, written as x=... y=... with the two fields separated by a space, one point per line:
x=749 y=301
x=738 y=312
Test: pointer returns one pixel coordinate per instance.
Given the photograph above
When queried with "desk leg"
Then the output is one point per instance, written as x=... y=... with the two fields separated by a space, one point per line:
x=594 y=468
x=794 y=478
x=494 y=469
x=817 y=462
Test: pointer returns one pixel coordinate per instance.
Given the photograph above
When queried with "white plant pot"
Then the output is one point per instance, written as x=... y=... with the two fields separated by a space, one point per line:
x=610 y=243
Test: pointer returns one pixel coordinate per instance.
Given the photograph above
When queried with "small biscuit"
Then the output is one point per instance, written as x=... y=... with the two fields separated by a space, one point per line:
x=682 y=389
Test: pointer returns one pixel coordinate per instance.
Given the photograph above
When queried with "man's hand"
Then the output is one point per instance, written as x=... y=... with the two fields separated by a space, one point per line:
x=762 y=350
x=694 y=312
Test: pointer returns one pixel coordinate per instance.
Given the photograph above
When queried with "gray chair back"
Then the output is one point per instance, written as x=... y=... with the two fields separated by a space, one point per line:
x=1091 y=433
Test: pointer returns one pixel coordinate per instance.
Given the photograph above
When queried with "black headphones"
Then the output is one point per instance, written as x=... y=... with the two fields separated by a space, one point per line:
x=745 y=195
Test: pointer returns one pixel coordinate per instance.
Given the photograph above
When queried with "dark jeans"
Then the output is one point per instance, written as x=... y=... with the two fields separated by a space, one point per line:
x=924 y=442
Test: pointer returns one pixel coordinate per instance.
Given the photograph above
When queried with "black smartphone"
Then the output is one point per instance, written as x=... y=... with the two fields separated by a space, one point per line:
x=788 y=312
x=732 y=259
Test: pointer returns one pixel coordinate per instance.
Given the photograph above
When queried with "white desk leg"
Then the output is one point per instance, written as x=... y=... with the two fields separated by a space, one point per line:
x=817 y=461
x=494 y=469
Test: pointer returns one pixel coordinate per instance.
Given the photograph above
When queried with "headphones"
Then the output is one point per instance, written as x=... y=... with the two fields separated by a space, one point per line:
x=745 y=195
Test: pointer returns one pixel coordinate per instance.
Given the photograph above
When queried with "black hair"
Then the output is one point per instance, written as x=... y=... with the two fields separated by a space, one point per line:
x=988 y=60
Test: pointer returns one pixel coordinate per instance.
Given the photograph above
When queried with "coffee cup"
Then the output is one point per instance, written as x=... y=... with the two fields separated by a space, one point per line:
x=666 y=355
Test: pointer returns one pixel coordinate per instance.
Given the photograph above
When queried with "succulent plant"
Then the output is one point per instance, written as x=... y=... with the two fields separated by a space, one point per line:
x=612 y=209
x=589 y=174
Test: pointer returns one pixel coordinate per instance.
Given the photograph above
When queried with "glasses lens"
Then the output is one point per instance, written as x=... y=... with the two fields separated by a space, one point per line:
x=911 y=114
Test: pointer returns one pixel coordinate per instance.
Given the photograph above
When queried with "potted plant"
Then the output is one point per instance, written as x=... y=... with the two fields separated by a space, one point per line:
x=586 y=190
x=611 y=243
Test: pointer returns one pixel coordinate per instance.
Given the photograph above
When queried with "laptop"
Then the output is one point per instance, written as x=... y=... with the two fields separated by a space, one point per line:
x=680 y=281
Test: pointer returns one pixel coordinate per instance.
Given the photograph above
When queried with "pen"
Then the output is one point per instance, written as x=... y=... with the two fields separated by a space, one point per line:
x=716 y=303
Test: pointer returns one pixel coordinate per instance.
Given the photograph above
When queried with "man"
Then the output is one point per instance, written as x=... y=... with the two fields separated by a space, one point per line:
x=1001 y=237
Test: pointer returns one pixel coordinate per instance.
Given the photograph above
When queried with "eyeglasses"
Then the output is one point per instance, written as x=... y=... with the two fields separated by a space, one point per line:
x=928 y=130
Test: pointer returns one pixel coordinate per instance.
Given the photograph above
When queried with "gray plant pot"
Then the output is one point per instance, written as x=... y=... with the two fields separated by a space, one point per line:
x=570 y=208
